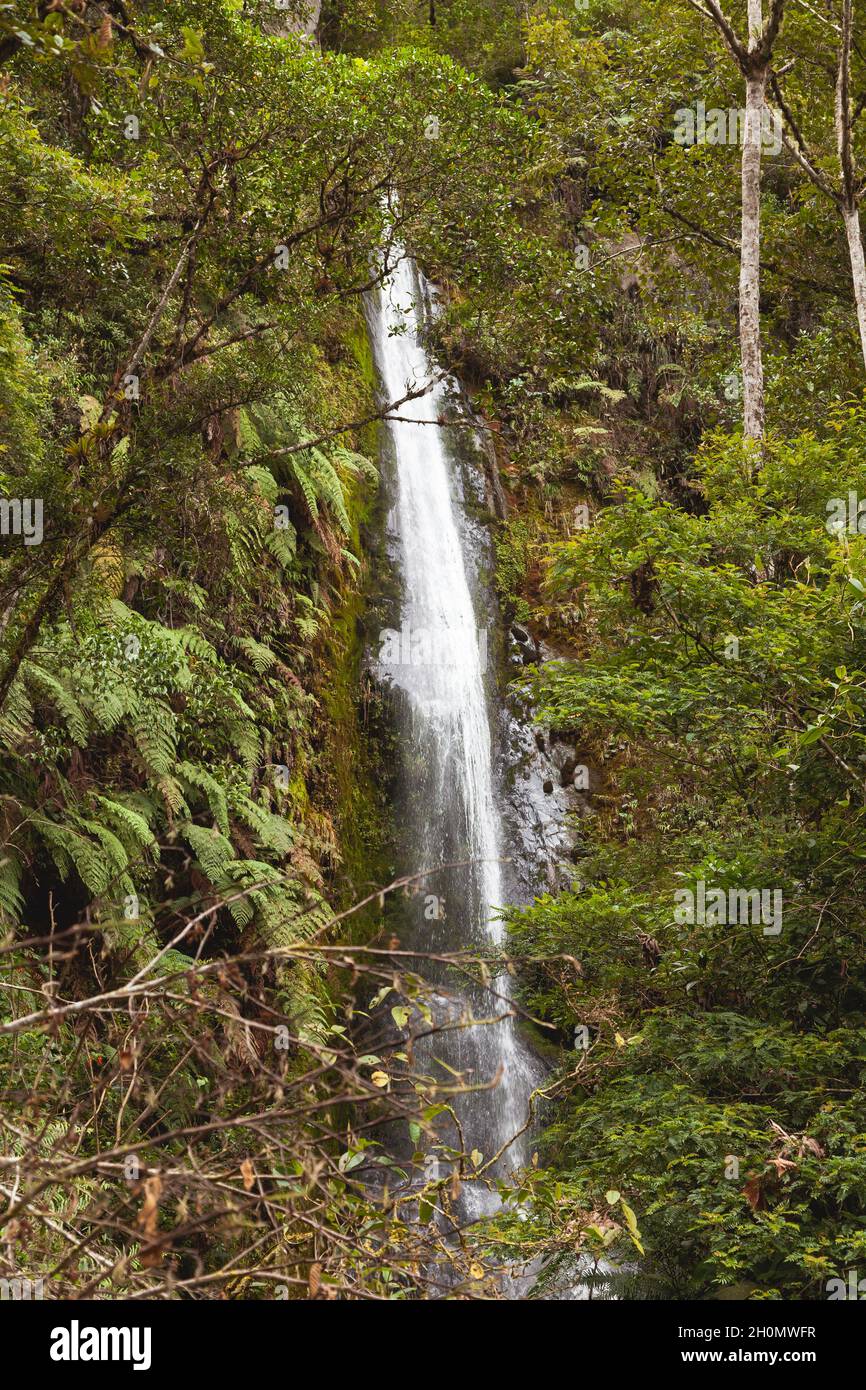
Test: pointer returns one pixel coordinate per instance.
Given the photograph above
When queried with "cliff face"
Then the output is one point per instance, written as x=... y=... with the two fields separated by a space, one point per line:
x=308 y=22
x=294 y=17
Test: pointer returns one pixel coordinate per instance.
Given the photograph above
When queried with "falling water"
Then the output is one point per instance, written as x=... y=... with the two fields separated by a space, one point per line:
x=437 y=659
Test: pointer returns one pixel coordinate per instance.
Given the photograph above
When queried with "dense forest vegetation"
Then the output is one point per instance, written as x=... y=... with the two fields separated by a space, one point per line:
x=645 y=220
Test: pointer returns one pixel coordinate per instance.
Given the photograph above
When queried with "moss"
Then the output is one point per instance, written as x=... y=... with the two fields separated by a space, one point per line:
x=362 y=812
x=298 y=793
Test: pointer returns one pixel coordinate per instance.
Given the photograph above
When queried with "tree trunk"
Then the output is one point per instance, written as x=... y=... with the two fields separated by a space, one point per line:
x=750 y=256
x=849 y=198
x=858 y=268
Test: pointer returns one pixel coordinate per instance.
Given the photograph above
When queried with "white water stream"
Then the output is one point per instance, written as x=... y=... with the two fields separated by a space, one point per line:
x=438 y=661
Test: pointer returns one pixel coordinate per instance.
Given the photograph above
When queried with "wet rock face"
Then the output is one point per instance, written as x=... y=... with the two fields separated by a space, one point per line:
x=308 y=22
x=546 y=793
x=546 y=784
x=296 y=17
x=523 y=650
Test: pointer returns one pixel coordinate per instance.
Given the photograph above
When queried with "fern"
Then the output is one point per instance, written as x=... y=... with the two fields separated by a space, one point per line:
x=261 y=657
x=11 y=898
x=16 y=717
x=191 y=641
x=330 y=488
x=356 y=463
x=108 y=708
x=273 y=832
x=213 y=851
x=154 y=728
x=133 y=822
x=263 y=479
x=201 y=779
x=260 y=878
x=172 y=796
x=305 y=482
x=245 y=743
x=115 y=852
x=49 y=685
x=71 y=849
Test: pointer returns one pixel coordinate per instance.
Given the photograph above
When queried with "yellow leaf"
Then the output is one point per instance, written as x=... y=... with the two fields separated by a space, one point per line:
x=380 y=1078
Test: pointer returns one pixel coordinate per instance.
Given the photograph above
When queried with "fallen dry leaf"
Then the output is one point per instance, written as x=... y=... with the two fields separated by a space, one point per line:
x=147 y=1217
x=754 y=1194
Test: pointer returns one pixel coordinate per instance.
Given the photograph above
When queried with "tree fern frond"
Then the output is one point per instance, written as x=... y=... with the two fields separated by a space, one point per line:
x=261 y=657
x=131 y=821
x=71 y=848
x=307 y=486
x=107 y=708
x=246 y=743
x=115 y=850
x=273 y=832
x=329 y=487
x=195 y=644
x=154 y=728
x=172 y=795
x=16 y=717
x=11 y=899
x=212 y=850
x=282 y=543
x=356 y=463
x=198 y=777
x=49 y=685
x=263 y=479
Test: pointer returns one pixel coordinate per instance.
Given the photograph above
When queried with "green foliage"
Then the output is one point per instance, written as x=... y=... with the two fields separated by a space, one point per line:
x=179 y=329
x=181 y=273
x=723 y=695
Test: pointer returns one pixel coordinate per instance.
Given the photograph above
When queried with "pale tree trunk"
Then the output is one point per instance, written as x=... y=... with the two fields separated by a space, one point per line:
x=850 y=196
x=750 y=261
x=858 y=269
x=753 y=59
x=750 y=237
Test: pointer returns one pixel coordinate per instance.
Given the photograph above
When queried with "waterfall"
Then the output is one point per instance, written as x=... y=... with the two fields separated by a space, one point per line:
x=437 y=659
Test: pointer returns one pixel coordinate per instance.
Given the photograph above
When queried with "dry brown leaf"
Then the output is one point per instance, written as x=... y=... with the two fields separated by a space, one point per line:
x=147 y=1217
x=249 y=1174
x=151 y=1255
x=754 y=1194
x=781 y=1165
x=811 y=1146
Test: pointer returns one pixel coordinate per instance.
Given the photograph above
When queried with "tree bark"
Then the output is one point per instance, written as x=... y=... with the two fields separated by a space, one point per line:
x=750 y=257
x=858 y=268
x=753 y=59
x=850 y=195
